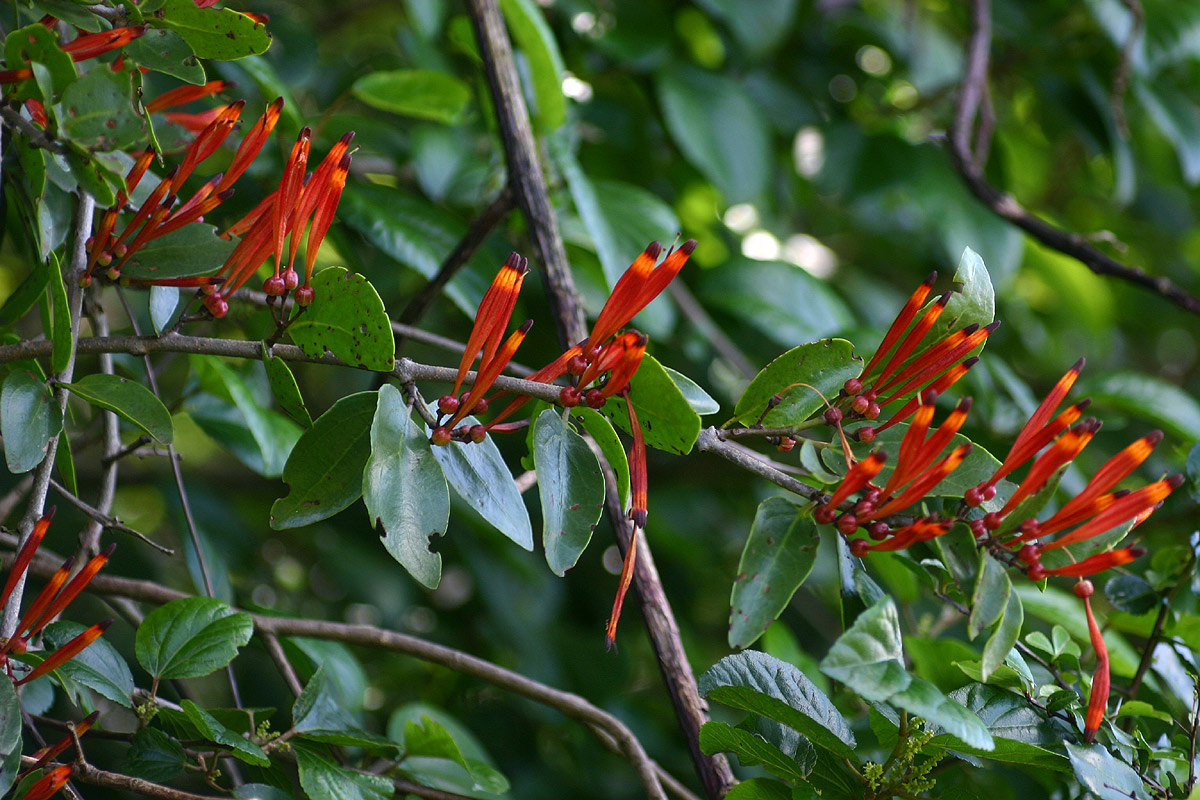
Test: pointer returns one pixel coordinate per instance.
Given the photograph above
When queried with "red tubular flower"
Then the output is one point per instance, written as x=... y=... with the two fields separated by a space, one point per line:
x=37 y=111
x=1060 y=454
x=632 y=348
x=25 y=554
x=488 y=371
x=1097 y=563
x=1101 y=679
x=637 y=512
x=492 y=316
x=922 y=530
x=251 y=144
x=1120 y=511
x=208 y=140
x=19 y=643
x=936 y=360
x=50 y=783
x=327 y=203
x=909 y=343
x=921 y=485
x=34 y=624
x=181 y=283
x=939 y=386
x=899 y=325
x=187 y=94
x=547 y=374
x=68 y=651
x=289 y=192
x=858 y=476
x=47 y=754
x=96 y=44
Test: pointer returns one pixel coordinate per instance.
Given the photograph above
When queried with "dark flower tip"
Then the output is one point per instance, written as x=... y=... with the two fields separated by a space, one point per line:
x=688 y=246
x=108 y=551
x=525 y=326
x=50 y=511
x=1154 y=437
x=930 y=278
x=654 y=249
x=1175 y=481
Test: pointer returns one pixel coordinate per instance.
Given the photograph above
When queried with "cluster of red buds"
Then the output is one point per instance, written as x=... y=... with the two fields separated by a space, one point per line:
x=893 y=372
x=599 y=368
x=48 y=604
x=1049 y=441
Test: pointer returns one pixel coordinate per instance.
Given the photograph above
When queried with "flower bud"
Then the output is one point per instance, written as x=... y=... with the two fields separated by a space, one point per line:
x=305 y=296
x=290 y=279
x=447 y=404
x=847 y=523
x=440 y=436
x=274 y=286
x=570 y=397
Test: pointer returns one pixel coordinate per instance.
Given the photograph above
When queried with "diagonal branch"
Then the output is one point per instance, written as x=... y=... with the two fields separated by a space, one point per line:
x=969 y=166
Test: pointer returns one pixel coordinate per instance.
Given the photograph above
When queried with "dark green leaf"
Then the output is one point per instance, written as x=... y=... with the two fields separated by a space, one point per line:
x=98 y=111
x=779 y=554
x=29 y=419
x=218 y=33
x=1131 y=593
x=571 y=489
x=480 y=477
x=286 y=390
x=1147 y=397
x=602 y=431
x=751 y=750
x=782 y=301
x=428 y=739
x=759 y=789
x=823 y=365
x=163 y=302
x=154 y=756
x=191 y=637
x=93 y=177
x=667 y=420
x=25 y=295
x=759 y=27
x=868 y=657
x=348 y=319
x=419 y=93
x=700 y=401
x=192 y=250
x=765 y=685
x=992 y=589
x=320 y=715
x=167 y=52
x=1104 y=776
x=325 y=469
x=321 y=779
x=260 y=791
x=1140 y=708
x=99 y=666
x=927 y=701
x=719 y=128
x=531 y=33
x=404 y=489
x=1021 y=732
x=442 y=773
x=128 y=399
x=243 y=749
x=958 y=554
x=1192 y=467
x=60 y=356
x=55 y=70
x=1005 y=636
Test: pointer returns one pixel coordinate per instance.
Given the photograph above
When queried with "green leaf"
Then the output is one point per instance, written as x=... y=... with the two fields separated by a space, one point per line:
x=55 y=70
x=1004 y=637
x=1063 y=608
x=667 y=420
x=286 y=390
x=1140 y=708
x=974 y=303
x=424 y=94
x=191 y=637
x=977 y=467
x=163 y=302
x=1021 y=732
x=321 y=779
x=29 y=419
x=25 y=295
x=720 y=130
x=1148 y=397
x=325 y=469
x=1191 y=467
x=98 y=111
x=925 y=700
x=571 y=489
x=98 y=666
x=700 y=401
x=404 y=489
x=10 y=733
x=779 y=554
x=93 y=177
x=195 y=249
x=1131 y=593
x=751 y=750
x=764 y=685
x=428 y=739
x=217 y=33
x=242 y=749
x=759 y=789
x=992 y=590
x=441 y=773
x=602 y=431
x=868 y=657
x=531 y=33
x=1104 y=776
x=154 y=756
x=824 y=365
x=480 y=477
x=60 y=356
x=782 y=301
x=260 y=791
x=321 y=716
x=273 y=437
x=167 y=52
x=348 y=319
x=128 y=399
x=759 y=27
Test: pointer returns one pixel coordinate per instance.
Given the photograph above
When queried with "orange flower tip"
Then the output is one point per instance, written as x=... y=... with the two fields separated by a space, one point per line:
x=610 y=643
x=930 y=278
x=965 y=404
x=103 y=626
x=48 y=514
x=525 y=326
x=1153 y=438
x=654 y=249
x=639 y=518
x=1175 y=481
x=688 y=247
x=344 y=166
x=1077 y=367
x=276 y=105
x=514 y=260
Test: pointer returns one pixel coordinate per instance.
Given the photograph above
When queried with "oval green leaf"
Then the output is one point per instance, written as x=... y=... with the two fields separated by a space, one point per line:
x=192 y=250
x=823 y=365
x=571 y=488
x=128 y=399
x=420 y=93
x=286 y=390
x=667 y=419
x=211 y=729
x=98 y=666
x=348 y=319
x=191 y=637
x=218 y=33
x=29 y=419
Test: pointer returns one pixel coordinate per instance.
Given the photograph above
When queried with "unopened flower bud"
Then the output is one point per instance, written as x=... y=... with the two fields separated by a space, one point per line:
x=847 y=523
x=833 y=415
x=860 y=404
x=595 y=398
x=570 y=396
x=879 y=530
x=477 y=433
x=440 y=436
x=274 y=286
x=866 y=435
x=1029 y=554
x=447 y=404
x=859 y=548
x=1036 y=572
x=576 y=365
x=1083 y=589
x=852 y=386
x=825 y=514
x=786 y=443
x=973 y=496
x=872 y=411
x=290 y=279
x=305 y=296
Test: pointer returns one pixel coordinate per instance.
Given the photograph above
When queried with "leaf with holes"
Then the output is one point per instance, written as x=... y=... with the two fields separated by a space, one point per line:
x=667 y=419
x=98 y=111
x=218 y=33
x=348 y=319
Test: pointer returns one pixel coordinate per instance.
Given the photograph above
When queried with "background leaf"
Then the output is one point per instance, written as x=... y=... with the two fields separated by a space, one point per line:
x=348 y=319
x=191 y=637
x=130 y=400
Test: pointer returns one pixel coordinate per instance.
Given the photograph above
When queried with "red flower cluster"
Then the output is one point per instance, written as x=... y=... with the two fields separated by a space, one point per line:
x=48 y=604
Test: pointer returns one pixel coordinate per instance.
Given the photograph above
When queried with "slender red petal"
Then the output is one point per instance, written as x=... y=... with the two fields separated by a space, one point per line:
x=15 y=75
x=25 y=554
x=136 y=173
x=1098 y=698
x=243 y=225
x=908 y=463
x=547 y=374
x=901 y=323
x=323 y=218
x=921 y=530
x=1063 y=452
x=1115 y=470
x=612 y=316
x=50 y=783
x=252 y=144
x=638 y=475
x=68 y=651
x=623 y=371
x=490 y=314
x=43 y=599
x=937 y=360
x=942 y=437
x=489 y=371
x=948 y=379
x=913 y=338
x=187 y=94
x=289 y=190
x=95 y=44
x=148 y=207
x=182 y=283
x=1049 y=405
x=1120 y=511
x=100 y=240
x=1019 y=454
x=47 y=754
x=1098 y=563
x=922 y=485
x=72 y=589
x=858 y=476
x=627 y=567
x=208 y=140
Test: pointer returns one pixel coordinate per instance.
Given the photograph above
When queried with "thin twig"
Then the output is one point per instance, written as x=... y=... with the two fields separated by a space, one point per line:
x=1165 y=602
x=970 y=168
x=696 y=314
x=710 y=441
x=275 y=650
x=1120 y=81
x=488 y=219
x=36 y=136
x=106 y=520
x=100 y=515
x=129 y=449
